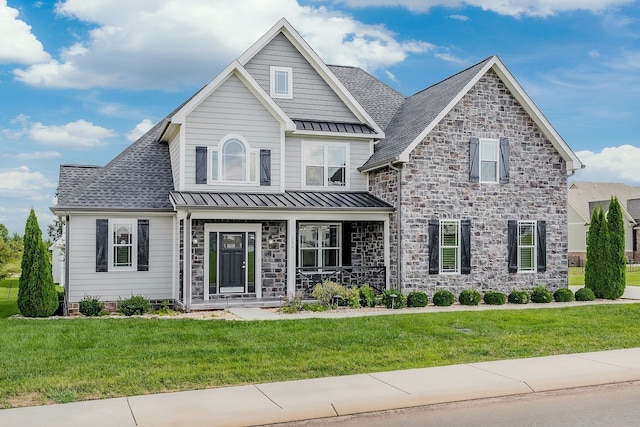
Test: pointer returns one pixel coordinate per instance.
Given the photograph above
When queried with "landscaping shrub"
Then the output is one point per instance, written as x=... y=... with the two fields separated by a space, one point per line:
x=90 y=306
x=349 y=297
x=585 y=294
x=443 y=298
x=315 y=307
x=494 y=298
x=367 y=296
x=518 y=297
x=393 y=298
x=469 y=297
x=563 y=295
x=293 y=304
x=136 y=304
x=540 y=294
x=417 y=299
x=326 y=292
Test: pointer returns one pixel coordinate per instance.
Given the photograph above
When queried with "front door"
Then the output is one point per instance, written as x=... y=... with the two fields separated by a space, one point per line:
x=232 y=262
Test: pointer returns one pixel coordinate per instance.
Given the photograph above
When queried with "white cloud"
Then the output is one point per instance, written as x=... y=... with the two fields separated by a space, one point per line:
x=172 y=43
x=140 y=129
x=462 y=18
x=447 y=57
x=23 y=183
x=612 y=164
x=74 y=134
x=503 y=7
x=34 y=155
x=17 y=42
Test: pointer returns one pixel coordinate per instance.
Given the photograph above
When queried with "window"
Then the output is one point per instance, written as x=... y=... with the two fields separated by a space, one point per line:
x=122 y=244
x=526 y=246
x=449 y=246
x=488 y=160
x=233 y=162
x=281 y=82
x=325 y=165
x=319 y=245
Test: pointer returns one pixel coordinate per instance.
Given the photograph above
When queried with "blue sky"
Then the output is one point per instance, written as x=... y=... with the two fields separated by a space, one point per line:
x=80 y=80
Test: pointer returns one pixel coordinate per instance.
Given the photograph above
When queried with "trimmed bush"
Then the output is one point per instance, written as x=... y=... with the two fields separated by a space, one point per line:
x=367 y=296
x=563 y=295
x=540 y=294
x=293 y=304
x=135 y=305
x=443 y=298
x=326 y=292
x=518 y=297
x=469 y=297
x=417 y=299
x=349 y=297
x=393 y=298
x=494 y=298
x=90 y=306
x=585 y=294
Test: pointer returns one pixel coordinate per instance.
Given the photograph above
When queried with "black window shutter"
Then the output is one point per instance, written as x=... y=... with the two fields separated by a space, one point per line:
x=265 y=167
x=143 y=245
x=474 y=160
x=465 y=253
x=201 y=165
x=102 y=243
x=504 y=160
x=434 y=246
x=346 y=244
x=542 y=246
x=513 y=245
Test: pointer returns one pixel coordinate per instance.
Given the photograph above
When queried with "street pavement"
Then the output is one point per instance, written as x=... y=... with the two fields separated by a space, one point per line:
x=260 y=404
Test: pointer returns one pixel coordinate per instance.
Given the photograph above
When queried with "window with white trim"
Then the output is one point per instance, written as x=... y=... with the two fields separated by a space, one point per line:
x=319 y=245
x=449 y=246
x=122 y=243
x=325 y=165
x=526 y=246
x=489 y=160
x=282 y=82
x=233 y=162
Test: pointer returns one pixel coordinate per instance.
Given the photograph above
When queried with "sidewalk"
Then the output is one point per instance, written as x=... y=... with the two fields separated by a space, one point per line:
x=336 y=396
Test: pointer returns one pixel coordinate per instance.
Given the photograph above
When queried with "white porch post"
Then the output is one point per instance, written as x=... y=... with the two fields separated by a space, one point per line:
x=187 y=261
x=291 y=257
x=387 y=254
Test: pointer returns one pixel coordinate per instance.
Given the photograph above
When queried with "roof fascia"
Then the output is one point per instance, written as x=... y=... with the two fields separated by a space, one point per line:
x=283 y=26
x=570 y=205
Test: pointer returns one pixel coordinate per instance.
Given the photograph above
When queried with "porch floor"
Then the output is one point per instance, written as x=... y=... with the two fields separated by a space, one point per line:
x=224 y=303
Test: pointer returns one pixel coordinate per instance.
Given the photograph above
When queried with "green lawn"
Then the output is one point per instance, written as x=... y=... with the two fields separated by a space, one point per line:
x=576 y=276
x=45 y=361
x=8 y=297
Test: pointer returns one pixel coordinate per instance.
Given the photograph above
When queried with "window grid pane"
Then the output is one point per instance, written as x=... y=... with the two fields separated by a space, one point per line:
x=526 y=246
x=319 y=245
x=325 y=165
x=489 y=160
x=122 y=245
x=449 y=246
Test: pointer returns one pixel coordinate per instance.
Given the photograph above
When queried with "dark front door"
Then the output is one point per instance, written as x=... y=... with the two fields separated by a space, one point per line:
x=232 y=263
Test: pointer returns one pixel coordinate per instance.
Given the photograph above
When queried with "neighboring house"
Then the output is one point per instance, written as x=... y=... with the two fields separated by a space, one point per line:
x=283 y=171
x=584 y=197
x=58 y=264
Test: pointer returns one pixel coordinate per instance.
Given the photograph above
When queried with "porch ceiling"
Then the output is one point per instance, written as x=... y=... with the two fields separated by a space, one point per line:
x=294 y=200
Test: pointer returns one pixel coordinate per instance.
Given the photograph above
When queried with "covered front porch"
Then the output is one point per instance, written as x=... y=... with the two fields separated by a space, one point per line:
x=258 y=255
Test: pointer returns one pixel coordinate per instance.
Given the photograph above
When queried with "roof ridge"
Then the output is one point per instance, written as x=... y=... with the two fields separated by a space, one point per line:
x=454 y=75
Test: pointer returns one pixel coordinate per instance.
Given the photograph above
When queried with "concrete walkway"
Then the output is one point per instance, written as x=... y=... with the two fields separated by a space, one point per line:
x=336 y=396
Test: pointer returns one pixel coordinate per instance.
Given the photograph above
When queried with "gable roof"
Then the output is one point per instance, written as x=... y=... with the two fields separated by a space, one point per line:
x=585 y=196
x=138 y=178
x=420 y=113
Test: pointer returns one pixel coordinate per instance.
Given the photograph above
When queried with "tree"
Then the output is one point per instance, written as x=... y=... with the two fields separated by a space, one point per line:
x=617 y=257
x=4 y=233
x=37 y=295
x=597 y=270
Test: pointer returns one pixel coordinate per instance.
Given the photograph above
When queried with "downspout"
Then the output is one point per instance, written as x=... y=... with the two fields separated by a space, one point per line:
x=65 y=304
x=398 y=224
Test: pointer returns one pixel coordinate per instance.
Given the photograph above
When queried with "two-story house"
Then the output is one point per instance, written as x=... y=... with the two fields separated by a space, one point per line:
x=283 y=171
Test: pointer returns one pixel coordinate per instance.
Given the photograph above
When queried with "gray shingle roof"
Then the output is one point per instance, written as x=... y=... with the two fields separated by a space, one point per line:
x=316 y=200
x=138 y=178
x=585 y=196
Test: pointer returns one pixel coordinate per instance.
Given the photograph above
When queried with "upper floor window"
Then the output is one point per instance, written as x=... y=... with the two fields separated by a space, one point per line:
x=233 y=162
x=488 y=160
x=282 y=82
x=325 y=165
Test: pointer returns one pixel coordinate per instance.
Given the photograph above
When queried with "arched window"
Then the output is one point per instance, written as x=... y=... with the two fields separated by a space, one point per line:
x=234 y=161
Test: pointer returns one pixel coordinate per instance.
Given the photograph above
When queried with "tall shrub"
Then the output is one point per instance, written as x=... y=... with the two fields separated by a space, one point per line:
x=597 y=270
x=37 y=295
x=618 y=259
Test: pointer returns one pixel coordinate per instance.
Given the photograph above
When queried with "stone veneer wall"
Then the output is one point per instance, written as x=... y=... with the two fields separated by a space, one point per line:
x=436 y=186
x=367 y=250
x=274 y=255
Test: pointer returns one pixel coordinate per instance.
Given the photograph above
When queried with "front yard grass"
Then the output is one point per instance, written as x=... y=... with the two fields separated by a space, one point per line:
x=8 y=297
x=576 y=275
x=63 y=360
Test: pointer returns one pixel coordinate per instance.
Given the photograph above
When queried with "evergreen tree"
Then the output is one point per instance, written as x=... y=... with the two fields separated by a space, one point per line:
x=597 y=270
x=617 y=257
x=37 y=295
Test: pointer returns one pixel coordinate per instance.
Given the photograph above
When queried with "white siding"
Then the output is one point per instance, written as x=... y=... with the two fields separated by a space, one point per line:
x=174 y=152
x=232 y=109
x=359 y=153
x=109 y=286
x=313 y=98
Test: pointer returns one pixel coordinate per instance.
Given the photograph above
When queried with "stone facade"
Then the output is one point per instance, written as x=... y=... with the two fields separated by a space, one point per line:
x=435 y=185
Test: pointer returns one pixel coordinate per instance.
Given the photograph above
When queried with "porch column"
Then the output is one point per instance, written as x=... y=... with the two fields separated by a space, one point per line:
x=187 y=262
x=291 y=258
x=387 y=254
